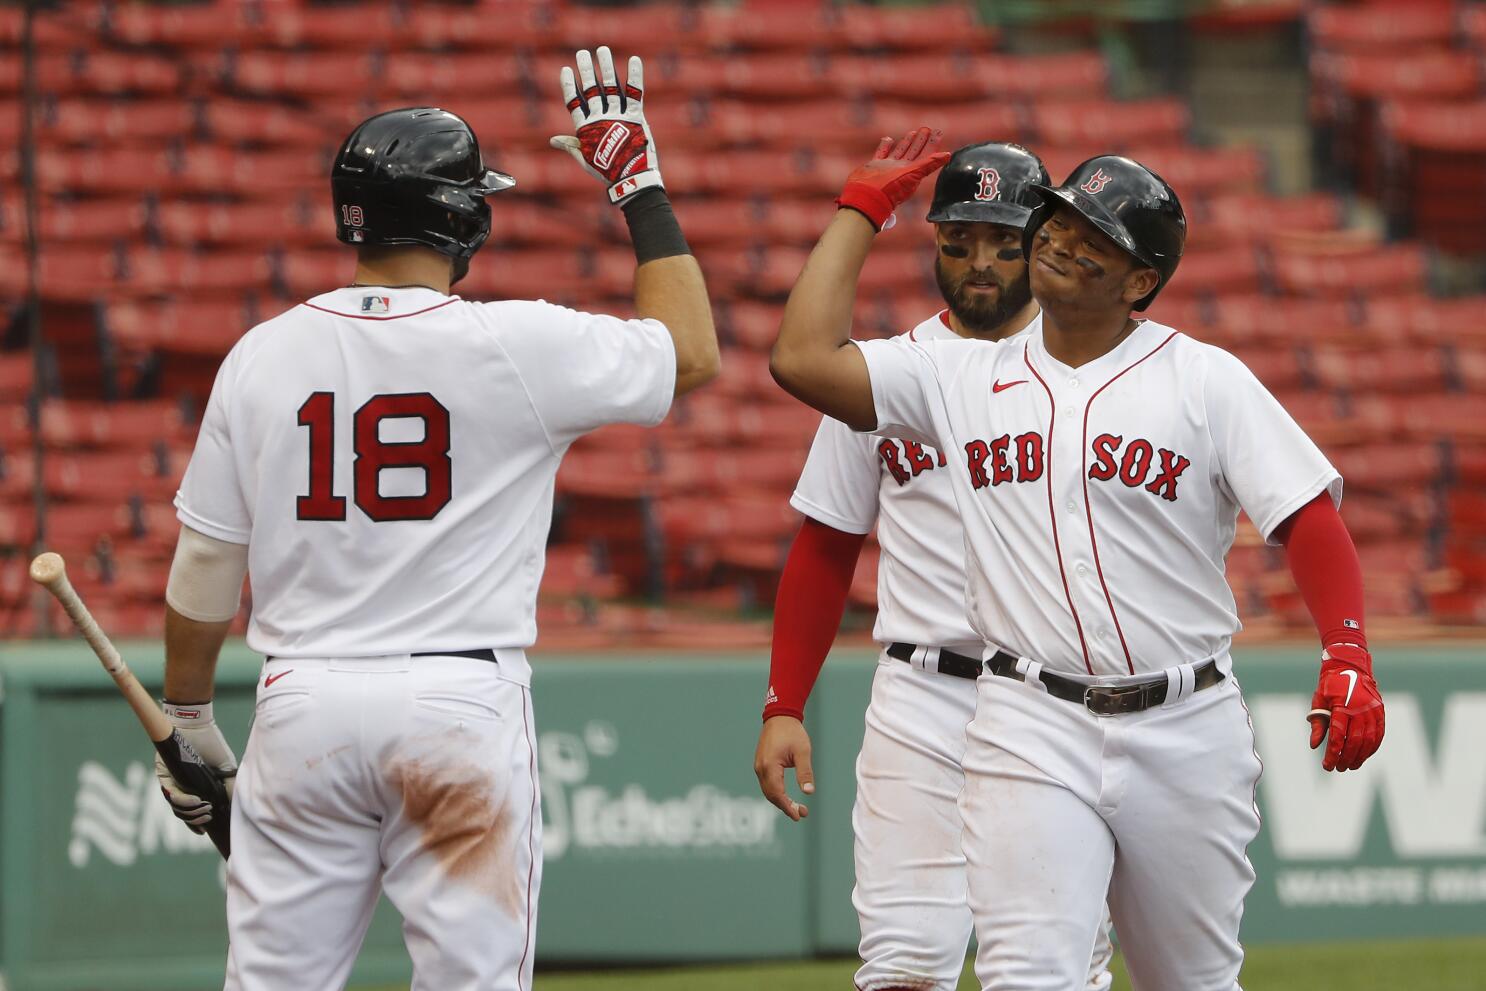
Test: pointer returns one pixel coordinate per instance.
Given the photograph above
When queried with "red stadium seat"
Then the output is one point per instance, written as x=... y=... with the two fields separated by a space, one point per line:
x=87 y=121
x=188 y=26
x=940 y=27
x=926 y=78
x=244 y=122
x=1400 y=369
x=204 y=327
x=1441 y=320
x=1382 y=467
x=357 y=27
x=1401 y=268
x=16 y=377
x=1110 y=125
x=82 y=424
x=1381 y=27
x=1076 y=75
x=1213 y=272
x=318 y=74
x=737 y=27
x=523 y=24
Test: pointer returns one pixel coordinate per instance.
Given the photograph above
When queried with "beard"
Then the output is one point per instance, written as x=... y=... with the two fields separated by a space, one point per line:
x=981 y=316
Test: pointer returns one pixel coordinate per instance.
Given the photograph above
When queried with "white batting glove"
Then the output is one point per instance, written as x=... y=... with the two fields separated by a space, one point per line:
x=613 y=140
x=198 y=727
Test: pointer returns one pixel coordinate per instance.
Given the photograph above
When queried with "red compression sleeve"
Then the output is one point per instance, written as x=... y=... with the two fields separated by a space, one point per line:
x=808 y=611
x=1324 y=562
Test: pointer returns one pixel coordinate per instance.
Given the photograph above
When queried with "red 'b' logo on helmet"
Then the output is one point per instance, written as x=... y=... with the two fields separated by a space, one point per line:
x=1096 y=182
x=990 y=185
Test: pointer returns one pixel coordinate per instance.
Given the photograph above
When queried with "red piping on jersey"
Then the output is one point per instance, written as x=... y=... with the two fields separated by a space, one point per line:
x=1052 y=510
x=531 y=828
x=944 y=319
x=400 y=316
x=1089 y=509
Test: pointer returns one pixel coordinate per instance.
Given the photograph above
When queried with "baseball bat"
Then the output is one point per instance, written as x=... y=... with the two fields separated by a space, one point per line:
x=185 y=765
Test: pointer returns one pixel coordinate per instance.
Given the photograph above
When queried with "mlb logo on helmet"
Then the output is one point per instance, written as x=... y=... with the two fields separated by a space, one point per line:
x=1096 y=182
x=375 y=304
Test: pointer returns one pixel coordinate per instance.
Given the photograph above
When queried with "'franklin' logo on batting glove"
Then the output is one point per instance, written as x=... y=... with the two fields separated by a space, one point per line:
x=612 y=139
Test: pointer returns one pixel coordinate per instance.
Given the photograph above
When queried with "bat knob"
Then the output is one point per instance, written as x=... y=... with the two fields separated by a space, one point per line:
x=48 y=569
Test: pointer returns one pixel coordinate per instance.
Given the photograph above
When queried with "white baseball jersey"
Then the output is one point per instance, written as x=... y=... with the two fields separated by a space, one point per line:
x=389 y=454
x=852 y=480
x=1099 y=502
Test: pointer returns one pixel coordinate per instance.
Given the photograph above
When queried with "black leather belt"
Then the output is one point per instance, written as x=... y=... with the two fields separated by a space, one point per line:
x=1107 y=700
x=1102 y=700
x=950 y=663
x=482 y=654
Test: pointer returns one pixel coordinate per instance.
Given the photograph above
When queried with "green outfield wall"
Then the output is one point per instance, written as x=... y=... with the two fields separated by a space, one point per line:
x=658 y=845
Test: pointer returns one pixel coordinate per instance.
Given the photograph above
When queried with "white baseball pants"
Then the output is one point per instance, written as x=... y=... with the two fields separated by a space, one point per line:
x=910 y=893
x=1155 y=808
x=413 y=775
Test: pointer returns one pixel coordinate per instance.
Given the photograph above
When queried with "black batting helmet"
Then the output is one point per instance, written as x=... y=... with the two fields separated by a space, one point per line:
x=988 y=183
x=414 y=176
x=1127 y=201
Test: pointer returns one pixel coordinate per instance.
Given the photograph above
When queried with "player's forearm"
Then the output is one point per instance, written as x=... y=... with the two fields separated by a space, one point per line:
x=813 y=358
x=191 y=650
x=673 y=291
x=669 y=287
x=1324 y=563
x=807 y=612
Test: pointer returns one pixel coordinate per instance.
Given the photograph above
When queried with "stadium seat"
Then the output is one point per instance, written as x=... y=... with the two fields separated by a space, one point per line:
x=1073 y=75
x=186 y=26
x=1399 y=369
x=1110 y=125
x=182 y=153
x=1400 y=268
x=1383 y=27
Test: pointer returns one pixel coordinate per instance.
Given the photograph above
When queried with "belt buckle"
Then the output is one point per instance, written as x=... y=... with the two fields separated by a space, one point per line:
x=1108 y=700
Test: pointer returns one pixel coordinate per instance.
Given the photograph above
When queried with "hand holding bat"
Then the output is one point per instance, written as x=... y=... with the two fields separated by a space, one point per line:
x=210 y=812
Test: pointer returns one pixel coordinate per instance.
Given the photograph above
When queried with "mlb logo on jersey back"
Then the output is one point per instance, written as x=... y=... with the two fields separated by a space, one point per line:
x=375 y=304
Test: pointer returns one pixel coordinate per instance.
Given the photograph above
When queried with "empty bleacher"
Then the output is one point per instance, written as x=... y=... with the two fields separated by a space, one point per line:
x=182 y=154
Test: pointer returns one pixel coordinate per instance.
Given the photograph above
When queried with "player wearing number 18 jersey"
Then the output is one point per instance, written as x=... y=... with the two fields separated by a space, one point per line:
x=382 y=460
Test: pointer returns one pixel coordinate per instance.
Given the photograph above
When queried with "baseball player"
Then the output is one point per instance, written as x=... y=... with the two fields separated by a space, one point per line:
x=910 y=874
x=1099 y=466
x=380 y=462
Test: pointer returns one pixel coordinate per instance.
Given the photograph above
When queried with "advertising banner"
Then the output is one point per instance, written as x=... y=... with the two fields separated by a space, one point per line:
x=658 y=846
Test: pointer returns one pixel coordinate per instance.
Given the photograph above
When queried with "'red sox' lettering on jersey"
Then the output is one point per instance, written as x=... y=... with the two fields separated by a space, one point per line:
x=1064 y=476
x=1134 y=466
x=905 y=460
x=853 y=482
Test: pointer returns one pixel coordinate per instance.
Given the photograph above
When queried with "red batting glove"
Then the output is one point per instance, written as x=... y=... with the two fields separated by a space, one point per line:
x=1347 y=710
x=878 y=188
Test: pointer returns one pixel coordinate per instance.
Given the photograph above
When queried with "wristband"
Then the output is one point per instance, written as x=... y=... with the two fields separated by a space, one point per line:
x=653 y=228
x=185 y=714
x=870 y=202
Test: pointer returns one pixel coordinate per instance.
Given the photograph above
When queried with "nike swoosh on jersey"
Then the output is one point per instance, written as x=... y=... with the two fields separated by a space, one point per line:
x=998 y=386
x=270 y=679
x=1351 y=685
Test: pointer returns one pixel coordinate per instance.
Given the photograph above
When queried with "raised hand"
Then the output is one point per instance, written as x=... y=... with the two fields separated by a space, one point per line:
x=612 y=139
x=880 y=186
